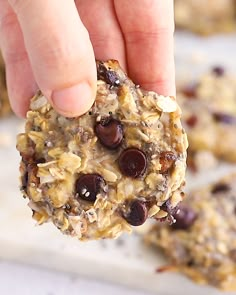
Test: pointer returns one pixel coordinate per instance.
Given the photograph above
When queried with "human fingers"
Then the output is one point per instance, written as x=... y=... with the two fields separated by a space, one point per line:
x=20 y=80
x=99 y=17
x=148 y=27
x=60 y=53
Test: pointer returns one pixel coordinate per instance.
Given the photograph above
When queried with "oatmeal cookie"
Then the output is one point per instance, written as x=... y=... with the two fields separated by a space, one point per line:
x=202 y=242
x=209 y=115
x=206 y=16
x=97 y=175
x=4 y=102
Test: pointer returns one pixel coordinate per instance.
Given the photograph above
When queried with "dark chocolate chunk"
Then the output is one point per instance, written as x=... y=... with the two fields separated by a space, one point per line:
x=138 y=213
x=88 y=186
x=224 y=118
x=109 y=132
x=112 y=78
x=109 y=76
x=167 y=160
x=190 y=90
x=169 y=208
x=185 y=217
x=220 y=188
x=133 y=162
x=218 y=71
x=192 y=121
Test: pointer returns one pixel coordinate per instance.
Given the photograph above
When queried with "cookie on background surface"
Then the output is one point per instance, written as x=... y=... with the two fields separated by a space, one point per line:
x=209 y=117
x=202 y=242
x=206 y=16
x=97 y=175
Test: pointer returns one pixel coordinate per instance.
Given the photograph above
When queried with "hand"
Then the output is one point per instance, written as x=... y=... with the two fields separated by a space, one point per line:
x=46 y=45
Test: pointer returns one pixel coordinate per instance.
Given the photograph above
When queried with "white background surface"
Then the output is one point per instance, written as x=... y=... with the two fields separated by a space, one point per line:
x=18 y=279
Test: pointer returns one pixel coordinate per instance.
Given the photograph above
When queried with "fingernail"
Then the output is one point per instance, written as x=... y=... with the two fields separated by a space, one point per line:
x=73 y=101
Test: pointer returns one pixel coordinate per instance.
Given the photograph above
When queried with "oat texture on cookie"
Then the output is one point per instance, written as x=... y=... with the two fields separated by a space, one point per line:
x=202 y=242
x=97 y=175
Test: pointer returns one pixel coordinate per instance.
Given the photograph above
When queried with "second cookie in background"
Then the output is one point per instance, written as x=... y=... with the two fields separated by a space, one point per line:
x=209 y=117
x=206 y=16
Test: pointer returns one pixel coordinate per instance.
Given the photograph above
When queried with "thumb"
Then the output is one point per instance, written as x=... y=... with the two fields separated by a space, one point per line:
x=60 y=53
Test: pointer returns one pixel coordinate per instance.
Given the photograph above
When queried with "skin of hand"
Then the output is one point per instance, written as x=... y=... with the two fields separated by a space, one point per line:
x=52 y=45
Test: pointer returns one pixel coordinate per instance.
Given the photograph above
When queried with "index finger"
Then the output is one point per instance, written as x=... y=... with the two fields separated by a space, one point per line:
x=60 y=53
x=148 y=27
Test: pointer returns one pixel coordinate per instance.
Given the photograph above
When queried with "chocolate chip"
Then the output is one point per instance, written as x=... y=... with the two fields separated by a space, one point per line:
x=190 y=90
x=218 y=71
x=133 y=162
x=138 y=213
x=167 y=160
x=107 y=75
x=185 y=217
x=109 y=132
x=112 y=78
x=88 y=186
x=167 y=207
x=220 y=188
x=192 y=121
x=224 y=118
